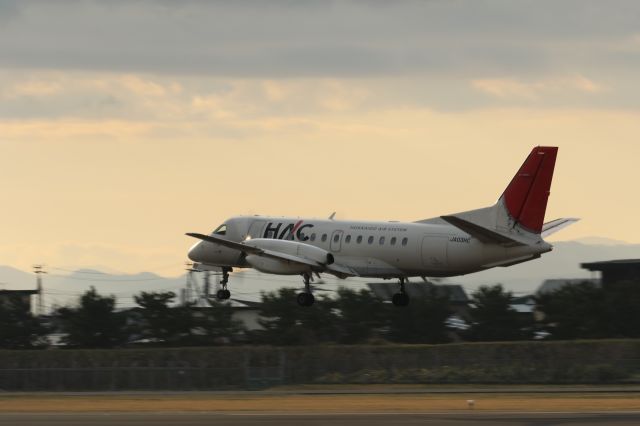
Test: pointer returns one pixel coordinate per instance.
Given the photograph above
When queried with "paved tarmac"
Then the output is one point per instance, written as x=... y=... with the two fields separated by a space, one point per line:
x=285 y=419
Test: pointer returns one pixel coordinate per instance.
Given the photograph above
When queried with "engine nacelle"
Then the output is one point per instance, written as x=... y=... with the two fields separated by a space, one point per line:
x=292 y=248
x=270 y=265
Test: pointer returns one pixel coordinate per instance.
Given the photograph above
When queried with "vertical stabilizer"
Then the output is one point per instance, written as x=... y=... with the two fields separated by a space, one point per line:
x=526 y=196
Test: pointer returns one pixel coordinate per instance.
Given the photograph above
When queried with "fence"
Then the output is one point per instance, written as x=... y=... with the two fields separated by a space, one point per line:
x=605 y=361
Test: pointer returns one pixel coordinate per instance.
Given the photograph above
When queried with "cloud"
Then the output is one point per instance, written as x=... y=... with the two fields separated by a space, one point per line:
x=138 y=97
x=34 y=89
x=148 y=88
x=585 y=85
x=283 y=38
x=146 y=55
x=505 y=88
x=236 y=103
x=511 y=88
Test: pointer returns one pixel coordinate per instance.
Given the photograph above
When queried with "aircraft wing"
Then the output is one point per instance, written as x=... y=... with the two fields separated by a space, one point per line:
x=556 y=225
x=248 y=249
x=222 y=242
x=342 y=271
x=337 y=269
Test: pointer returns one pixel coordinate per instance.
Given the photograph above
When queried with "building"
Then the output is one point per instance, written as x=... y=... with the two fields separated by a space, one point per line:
x=25 y=295
x=614 y=271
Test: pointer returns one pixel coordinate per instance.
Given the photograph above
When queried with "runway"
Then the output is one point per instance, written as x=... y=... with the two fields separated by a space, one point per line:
x=336 y=419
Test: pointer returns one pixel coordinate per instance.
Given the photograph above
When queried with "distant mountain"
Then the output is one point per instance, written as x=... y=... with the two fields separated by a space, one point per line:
x=15 y=279
x=63 y=288
x=563 y=262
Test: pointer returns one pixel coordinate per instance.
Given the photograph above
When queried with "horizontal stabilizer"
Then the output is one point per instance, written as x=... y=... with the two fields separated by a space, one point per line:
x=481 y=233
x=511 y=262
x=556 y=225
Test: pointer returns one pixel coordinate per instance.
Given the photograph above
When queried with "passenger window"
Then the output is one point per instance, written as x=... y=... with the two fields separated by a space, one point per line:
x=324 y=237
x=359 y=240
x=336 y=238
x=393 y=241
x=347 y=239
x=370 y=240
x=313 y=237
x=221 y=230
x=405 y=241
x=381 y=240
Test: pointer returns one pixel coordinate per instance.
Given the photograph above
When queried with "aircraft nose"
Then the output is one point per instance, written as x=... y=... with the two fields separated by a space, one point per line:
x=195 y=252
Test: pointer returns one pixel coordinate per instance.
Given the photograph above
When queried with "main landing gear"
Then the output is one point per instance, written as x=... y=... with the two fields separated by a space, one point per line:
x=223 y=293
x=401 y=298
x=306 y=297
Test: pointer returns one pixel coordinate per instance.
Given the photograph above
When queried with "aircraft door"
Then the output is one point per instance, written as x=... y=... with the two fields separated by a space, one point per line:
x=434 y=251
x=336 y=241
x=255 y=230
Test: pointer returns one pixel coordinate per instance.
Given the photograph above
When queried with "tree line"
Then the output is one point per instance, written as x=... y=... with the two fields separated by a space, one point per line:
x=351 y=317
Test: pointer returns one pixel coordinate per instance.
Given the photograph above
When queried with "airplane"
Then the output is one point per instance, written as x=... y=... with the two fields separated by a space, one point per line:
x=507 y=233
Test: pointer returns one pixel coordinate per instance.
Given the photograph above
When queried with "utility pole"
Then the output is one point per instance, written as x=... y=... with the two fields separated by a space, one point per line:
x=187 y=285
x=39 y=270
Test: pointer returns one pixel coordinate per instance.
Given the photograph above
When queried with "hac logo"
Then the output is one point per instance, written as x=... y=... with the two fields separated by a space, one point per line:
x=288 y=232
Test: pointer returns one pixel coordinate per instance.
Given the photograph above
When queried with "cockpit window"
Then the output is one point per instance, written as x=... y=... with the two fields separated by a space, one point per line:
x=221 y=230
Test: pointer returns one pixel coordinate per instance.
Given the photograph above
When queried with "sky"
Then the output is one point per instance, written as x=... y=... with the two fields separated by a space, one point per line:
x=125 y=124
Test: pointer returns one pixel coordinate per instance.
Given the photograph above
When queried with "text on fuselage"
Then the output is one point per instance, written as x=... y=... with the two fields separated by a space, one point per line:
x=277 y=231
x=460 y=240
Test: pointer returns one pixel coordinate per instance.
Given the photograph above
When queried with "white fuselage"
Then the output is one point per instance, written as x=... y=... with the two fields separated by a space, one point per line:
x=374 y=249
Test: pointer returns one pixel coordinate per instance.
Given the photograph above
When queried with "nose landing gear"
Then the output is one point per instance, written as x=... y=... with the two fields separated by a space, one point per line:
x=306 y=298
x=401 y=298
x=223 y=293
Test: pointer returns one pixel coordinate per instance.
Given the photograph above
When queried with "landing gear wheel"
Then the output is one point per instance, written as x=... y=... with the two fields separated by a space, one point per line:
x=305 y=299
x=223 y=294
x=400 y=299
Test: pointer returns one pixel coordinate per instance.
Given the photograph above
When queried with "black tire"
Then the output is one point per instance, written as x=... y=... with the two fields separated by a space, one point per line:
x=305 y=299
x=227 y=294
x=310 y=299
x=302 y=299
x=400 y=299
x=221 y=295
x=404 y=299
x=396 y=299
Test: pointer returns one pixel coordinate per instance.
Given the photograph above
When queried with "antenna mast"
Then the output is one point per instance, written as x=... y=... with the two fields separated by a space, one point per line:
x=39 y=270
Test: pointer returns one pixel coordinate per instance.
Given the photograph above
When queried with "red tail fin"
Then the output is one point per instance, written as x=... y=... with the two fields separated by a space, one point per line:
x=527 y=194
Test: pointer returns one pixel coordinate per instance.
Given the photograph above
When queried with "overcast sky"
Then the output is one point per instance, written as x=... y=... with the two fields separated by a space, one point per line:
x=124 y=124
